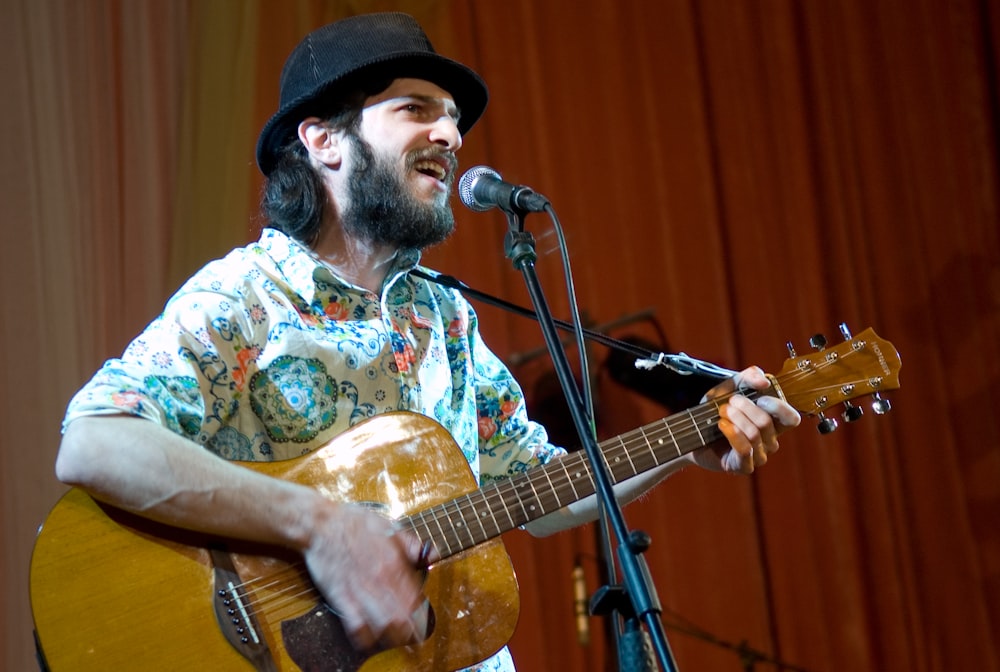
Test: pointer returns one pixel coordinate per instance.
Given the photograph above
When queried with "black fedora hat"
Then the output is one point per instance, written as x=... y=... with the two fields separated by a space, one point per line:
x=383 y=45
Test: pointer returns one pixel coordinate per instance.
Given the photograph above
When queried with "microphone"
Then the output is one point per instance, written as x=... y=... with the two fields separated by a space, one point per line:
x=482 y=188
x=580 y=609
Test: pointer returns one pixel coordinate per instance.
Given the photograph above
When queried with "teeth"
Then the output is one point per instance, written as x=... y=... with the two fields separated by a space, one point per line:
x=428 y=166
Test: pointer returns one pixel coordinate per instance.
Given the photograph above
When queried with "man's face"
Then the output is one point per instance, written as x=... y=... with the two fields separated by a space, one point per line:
x=402 y=166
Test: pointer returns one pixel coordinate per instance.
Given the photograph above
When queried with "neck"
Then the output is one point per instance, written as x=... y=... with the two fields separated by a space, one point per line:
x=357 y=261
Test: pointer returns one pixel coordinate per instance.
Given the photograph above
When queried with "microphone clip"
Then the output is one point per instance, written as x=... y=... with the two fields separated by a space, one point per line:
x=518 y=244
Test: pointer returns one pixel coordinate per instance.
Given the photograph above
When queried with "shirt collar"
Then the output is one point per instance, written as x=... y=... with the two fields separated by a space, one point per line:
x=302 y=268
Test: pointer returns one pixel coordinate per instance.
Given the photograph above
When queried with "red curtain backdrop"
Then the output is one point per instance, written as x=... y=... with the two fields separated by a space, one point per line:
x=731 y=175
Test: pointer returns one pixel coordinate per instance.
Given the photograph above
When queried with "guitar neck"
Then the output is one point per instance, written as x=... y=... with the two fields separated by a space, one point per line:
x=496 y=508
x=862 y=365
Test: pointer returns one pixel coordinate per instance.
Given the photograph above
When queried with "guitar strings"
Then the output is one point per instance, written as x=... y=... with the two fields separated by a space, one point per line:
x=284 y=591
x=703 y=418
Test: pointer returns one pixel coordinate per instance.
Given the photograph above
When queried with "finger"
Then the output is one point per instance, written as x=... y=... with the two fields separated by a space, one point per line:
x=357 y=629
x=720 y=390
x=419 y=553
x=739 y=457
x=786 y=416
x=378 y=604
x=372 y=617
x=748 y=418
x=750 y=432
x=398 y=633
x=387 y=621
x=753 y=377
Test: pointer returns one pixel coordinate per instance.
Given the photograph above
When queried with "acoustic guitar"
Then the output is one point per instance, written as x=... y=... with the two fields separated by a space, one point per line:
x=112 y=591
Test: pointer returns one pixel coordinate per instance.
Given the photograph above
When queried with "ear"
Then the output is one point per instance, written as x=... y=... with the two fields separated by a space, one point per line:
x=322 y=143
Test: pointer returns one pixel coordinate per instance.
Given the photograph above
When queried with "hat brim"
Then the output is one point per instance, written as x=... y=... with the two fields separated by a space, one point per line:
x=465 y=86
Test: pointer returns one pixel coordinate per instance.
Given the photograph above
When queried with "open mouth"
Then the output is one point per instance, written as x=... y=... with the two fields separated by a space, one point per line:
x=431 y=168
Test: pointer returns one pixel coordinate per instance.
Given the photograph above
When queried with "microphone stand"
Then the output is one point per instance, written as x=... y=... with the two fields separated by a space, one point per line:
x=636 y=599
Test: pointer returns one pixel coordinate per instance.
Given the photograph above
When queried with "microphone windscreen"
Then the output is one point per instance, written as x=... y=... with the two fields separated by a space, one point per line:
x=467 y=183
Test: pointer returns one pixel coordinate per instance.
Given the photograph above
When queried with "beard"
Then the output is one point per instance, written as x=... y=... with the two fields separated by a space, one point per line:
x=382 y=210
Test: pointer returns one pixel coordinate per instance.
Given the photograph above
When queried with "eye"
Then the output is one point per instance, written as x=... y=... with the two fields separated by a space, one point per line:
x=412 y=108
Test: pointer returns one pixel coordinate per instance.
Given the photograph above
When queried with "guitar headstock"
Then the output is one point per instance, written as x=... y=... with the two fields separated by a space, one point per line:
x=861 y=365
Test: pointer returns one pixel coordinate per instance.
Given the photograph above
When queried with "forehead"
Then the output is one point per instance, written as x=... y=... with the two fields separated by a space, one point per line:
x=419 y=89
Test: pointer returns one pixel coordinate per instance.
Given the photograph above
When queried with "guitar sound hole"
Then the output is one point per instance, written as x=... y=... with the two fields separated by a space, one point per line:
x=317 y=641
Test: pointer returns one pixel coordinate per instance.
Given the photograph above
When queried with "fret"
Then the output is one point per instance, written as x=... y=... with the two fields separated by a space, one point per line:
x=552 y=489
x=537 y=504
x=516 y=483
x=561 y=495
x=591 y=483
x=460 y=524
x=506 y=509
x=650 y=447
x=581 y=474
x=418 y=527
x=479 y=519
x=641 y=454
x=618 y=469
x=673 y=439
x=444 y=537
x=569 y=478
x=628 y=454
x=607 y=465
x=533 y=503
x=694 y=422
x=423 y=535
x=640 y=451
x=613 y=460
x=714 y=416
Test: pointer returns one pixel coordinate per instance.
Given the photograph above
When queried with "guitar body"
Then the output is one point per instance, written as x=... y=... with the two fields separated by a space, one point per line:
x=113 y=591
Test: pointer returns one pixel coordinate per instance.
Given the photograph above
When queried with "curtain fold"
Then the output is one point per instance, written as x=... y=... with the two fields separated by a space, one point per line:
x=737 y=175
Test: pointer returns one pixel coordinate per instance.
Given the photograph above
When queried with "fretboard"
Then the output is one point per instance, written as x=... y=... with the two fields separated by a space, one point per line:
x=498 y=507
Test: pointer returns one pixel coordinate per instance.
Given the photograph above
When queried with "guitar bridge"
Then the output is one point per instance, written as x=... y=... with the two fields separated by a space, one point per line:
x=234 y=612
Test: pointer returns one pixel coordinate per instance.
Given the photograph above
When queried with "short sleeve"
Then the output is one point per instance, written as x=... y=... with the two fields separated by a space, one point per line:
x=187 y=370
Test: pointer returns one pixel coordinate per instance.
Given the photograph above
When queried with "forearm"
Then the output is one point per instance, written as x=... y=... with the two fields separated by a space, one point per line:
x=364 y=568
x=142 y=467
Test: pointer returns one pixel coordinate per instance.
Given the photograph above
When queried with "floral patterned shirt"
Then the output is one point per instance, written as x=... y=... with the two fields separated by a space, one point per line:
x=265 y=354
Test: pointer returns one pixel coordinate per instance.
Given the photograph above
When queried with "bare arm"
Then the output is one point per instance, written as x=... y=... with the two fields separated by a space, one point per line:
x=364 y=568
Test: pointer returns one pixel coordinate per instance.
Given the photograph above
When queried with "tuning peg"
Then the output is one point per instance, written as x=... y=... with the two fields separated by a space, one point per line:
x=845 y=332
x=791 y=349
x=818 y=341
x=852 y=412
x=826 y=425
x=879 y=405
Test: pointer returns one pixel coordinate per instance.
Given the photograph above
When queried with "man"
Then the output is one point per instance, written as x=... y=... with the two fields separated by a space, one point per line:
x=268 y=353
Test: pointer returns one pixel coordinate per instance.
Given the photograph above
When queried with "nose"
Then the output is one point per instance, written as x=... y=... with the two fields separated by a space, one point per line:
x=444 y=132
